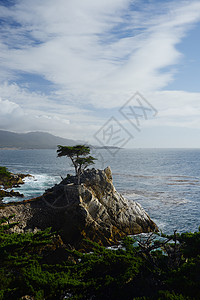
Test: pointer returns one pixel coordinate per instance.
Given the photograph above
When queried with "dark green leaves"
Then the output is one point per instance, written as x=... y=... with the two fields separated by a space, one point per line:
x=79 y=157
x=27 y=267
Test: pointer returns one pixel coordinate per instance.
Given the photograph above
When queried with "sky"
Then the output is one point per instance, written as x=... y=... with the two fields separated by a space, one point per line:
x=112 y=72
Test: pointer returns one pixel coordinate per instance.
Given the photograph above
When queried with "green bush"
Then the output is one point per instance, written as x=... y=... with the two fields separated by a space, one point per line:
x=27 y=267
x=4 y=171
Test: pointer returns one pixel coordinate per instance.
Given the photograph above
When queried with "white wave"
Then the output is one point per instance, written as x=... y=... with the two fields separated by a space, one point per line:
x=34 y=186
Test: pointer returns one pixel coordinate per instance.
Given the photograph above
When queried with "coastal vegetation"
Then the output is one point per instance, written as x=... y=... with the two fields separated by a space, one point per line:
x=5 y=177
x=79 y=156
x=9 y=180
x=41 y=266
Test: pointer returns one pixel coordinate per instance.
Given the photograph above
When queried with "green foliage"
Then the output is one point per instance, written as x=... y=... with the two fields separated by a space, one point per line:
x=190 y=244
x=27 y=267
x=78 y=155
x=4 y=172
x=106 y=272
x=167 y=295
x=84 y=162
x=5 y=177
x=72 y=151
x=6 y=219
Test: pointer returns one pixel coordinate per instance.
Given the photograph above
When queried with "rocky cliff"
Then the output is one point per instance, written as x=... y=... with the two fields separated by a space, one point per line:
x=93 y=210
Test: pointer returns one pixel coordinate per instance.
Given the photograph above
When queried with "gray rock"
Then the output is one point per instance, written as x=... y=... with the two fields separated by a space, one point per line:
x=92 y=210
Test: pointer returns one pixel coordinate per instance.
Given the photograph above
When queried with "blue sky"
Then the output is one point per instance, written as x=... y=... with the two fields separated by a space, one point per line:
x=188 y=70
x=67 y=67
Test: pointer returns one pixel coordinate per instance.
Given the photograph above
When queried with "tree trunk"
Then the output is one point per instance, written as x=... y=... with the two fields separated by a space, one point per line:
x=75 y=166
x=79 y=176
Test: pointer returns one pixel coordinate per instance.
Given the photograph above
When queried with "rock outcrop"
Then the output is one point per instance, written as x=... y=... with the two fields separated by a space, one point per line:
x=9 y=180
x=12 y=193
x=92 y=210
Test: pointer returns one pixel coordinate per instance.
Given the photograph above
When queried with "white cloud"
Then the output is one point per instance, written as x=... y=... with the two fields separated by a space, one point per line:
x=10 y=113
x=94 y=53
x=37 y=112
x=8 y=107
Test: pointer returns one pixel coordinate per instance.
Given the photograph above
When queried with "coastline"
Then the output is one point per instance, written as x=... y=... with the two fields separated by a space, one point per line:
x=8 y=181
x=92 y=209
x=150 y=177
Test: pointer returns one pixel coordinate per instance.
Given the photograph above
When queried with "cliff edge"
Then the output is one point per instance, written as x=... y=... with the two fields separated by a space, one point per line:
x=92 y=210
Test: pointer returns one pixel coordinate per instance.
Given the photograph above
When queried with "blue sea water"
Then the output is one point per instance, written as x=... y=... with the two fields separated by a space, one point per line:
x=166 y=182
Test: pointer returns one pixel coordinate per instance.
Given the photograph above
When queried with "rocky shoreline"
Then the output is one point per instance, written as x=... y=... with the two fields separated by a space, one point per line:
x=93 y=210
x=9 y=180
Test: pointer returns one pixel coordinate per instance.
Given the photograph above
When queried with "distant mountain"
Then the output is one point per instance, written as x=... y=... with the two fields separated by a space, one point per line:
x=33 y=140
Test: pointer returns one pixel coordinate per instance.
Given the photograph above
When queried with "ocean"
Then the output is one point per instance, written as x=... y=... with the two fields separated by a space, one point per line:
x=166 y=182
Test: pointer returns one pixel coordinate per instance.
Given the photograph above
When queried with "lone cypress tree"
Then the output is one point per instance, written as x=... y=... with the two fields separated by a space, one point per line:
x=79 y=156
